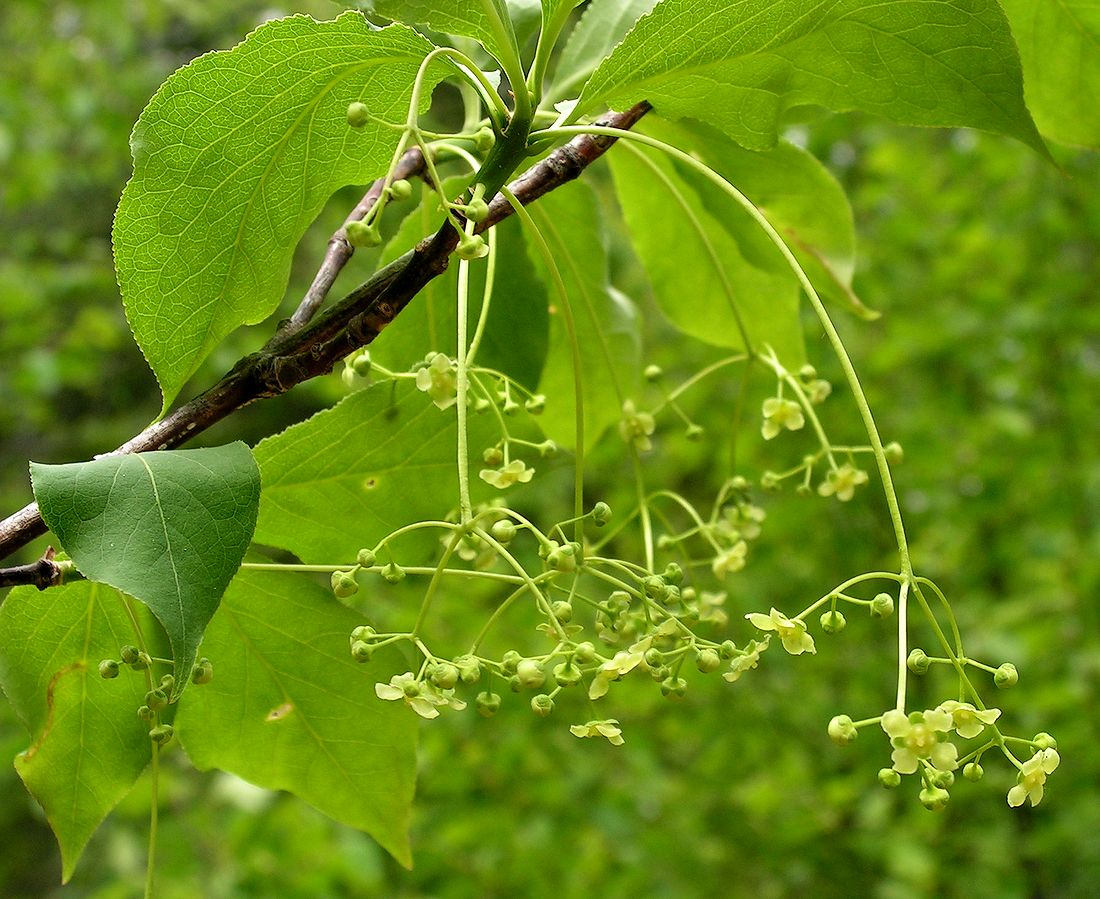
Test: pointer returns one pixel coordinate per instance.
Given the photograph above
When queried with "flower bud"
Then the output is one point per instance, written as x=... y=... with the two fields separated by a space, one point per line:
x=469 y=669
x=894 y=453
x=584 y=653
x=129 y=654
x=361 y=364
x=145 y=713
x=1044 y=741
x=673 y=687
x=945 y=780
x=477 y=210
x=202 y=672
x=769 y=480
x=358 y=115
x=1006 y=676
x=882 y=606
x=972 y=771
x=673 y=573
x=401 y=189
x=563 y=611
x=934 y=798
x=493 y=456
x=445 y=675
x=363 y=632
x=833 y=622
x=514 y=683
x=142 y=663
x=708 y=660
x=618 y=601
x=484 y=139
x=162 y=734
x=530 y=674
x=167 y=683
x=156 y=700
x=542 y=705
x=653 y=373
x=487 y=704
x=471 y=247
x=654 y=586
x=360 y=234
x=343 y=584
x=365 y=558
x=509 y=662
x=918 y=662
x=503 y=531
x=601 y=514
x=393 y=573
x=361 y=651
x=536 y=404
x=694 y=432
x=108 y=669
x=807 y=373
x=889 y=778
x=566 y=674
x=842 y=730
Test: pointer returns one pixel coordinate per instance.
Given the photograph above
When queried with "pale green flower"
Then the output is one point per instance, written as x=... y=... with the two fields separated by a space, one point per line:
x=967 y=720
x=439 y=380
x=780 y=414
x=636 y=427
x=748 y=659
x=842 y=482
x=515 y=472
x=791 y=632
x=730 y=560
x=1032 y=777
x=608 y=728
x=421 y=696
x=920 y=735
x=622 y=663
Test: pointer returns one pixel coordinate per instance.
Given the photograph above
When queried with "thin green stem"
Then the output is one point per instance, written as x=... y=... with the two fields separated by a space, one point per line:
x=150 y=870
x=486 y=297
x=465 y=507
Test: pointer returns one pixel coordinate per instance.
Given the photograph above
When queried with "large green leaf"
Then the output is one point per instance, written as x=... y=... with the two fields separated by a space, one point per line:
x=699 y=272
x=738 y=65
x=233 y=158
x=1060 y=46
x=603 y=25
x=606 y=321
x=799 y=196
x=382 y=458
x=288 y=709
x=486 y=21
x=515 y=336
x=169 y=528
x=88 y=745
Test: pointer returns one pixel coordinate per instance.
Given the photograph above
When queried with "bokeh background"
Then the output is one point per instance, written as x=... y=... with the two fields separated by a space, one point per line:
x=985 y=366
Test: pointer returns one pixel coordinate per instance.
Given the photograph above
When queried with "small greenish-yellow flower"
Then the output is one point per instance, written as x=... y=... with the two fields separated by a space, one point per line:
x=842 y=482
x=730 y=560
x=636 y=427
x=967 y=720
x=780 y=414
x=920 y=735
x=747 y=660
x=607 y=728
x=421 y=696
x=439 y=380
x=622 y=663
x=515 y=472
x=791 y=632
x=1032 y=777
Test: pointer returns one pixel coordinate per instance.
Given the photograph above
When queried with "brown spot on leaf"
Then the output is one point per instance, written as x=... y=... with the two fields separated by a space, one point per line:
x=280 y=712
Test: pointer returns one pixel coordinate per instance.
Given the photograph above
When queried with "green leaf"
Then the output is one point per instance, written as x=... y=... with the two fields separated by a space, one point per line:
x=606 y=320
x=700 y=275
x=739 y=65
x=233 y=158
x=169 y=528
x=288 y=709
x=382 y=458
x=798 y=195
x=1059 y=44
x=515 y=336
x=486 y=21
x=603 y=24
x=88 y=745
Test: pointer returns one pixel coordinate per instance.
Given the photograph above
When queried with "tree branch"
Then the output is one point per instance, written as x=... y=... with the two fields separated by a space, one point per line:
x=296 y=354
x=46 y=572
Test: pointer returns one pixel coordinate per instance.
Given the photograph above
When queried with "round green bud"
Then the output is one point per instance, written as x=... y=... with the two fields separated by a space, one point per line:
x=484 y=139
x=530 y=674
x=412 y=689
x=360 y=234
x=673 y=573
x=601 y=514
x=343 y=584
x=739 y=483
x=618 y=601
x=566 y=674
x=562 y=610
x=694 y=433
x=156 y=700
x=972 y=771
x=536 y=404
x=1006 y=676
x=348 y=376
x=562 y=560
x=358 y=114
x=945 y=780
x=653 y=373
x=167 y=683
x=469 y=669
x=882 y=606
x=1044 y=740
x=365 y=558
x=143 y=662
x=362 y=651
x=509 y=662
x=129 y=654
x=393 y=573
x=145 y=713
x=401 y=189
x=654 y=586
x=889 y=778
x=445 y=675
x=361 y=364
x=842 y=730
x=934 y=798
x=918 y=662
x=660 y=672
x=162 y=734
x=548 y=449
x=515 y=684
x=653 y=657
x=804 y=490
x=202 y=672
x=833 y=622
x=708 y=660
x=108 y=669
x=769 y=480
x=584 y=652
x=894 y=453
x=503 y=531
x=542 y=705
x=477 y=210
x=727 y=650
x=471 y=247
x=673 y=687
x=487 y=704
x=363 y=632
x=807 y=373
x=493 y=456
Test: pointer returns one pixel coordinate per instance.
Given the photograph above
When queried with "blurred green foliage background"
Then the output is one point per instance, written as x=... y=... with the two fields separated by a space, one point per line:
x=985 y=365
